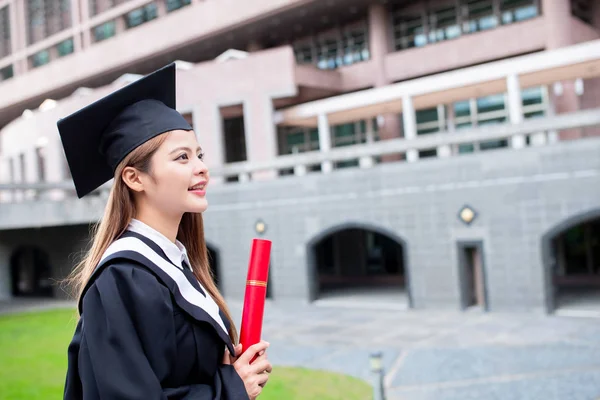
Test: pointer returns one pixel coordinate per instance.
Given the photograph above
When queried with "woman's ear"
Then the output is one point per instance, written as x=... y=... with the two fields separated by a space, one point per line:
x=131 y=177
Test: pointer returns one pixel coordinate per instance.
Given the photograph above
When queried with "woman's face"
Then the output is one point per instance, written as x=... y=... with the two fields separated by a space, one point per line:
x=178 y=178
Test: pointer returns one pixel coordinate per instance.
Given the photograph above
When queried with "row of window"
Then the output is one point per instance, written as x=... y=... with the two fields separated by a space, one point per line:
x=423 y=24
x=459 y=115
x=335 y=48
x=136 y=17
x=43 y=57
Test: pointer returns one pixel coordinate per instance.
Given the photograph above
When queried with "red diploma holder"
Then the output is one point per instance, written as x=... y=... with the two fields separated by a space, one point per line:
x=256 y=293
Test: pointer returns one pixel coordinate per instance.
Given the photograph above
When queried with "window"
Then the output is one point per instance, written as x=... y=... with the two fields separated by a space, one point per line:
x=481 y=15
x=335 y=48
x=409 y=30
x=535 y=102
x=430 y=120
x=294 y=139
x=173 y=5
x=65 y=48
x=40 y=58
x=419 y=24
x=491 y=110
x=141 y=15
x=105 y=31
x=5 y=46
x=443 y=25
x=518 y=10
x=47 y=17
x=6 y=73
x=305 y=52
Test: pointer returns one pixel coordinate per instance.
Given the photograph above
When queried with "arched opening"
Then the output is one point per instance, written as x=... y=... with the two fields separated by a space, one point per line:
x=361 y=265
x=31 y=272
x=572 y=259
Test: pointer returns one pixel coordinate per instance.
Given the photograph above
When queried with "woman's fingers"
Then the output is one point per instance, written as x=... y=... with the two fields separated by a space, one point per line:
x=262 y=380
x=251 y=351
x=259 y=367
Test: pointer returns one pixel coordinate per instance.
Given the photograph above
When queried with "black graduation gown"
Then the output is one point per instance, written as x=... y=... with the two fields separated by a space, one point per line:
x=140 y=336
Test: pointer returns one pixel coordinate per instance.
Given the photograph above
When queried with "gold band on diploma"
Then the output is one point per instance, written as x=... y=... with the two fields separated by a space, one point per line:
x=256 y=283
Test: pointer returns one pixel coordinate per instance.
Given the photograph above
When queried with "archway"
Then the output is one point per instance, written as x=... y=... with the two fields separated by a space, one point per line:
x=572 y=260
x=359 y=265
x=31 y=272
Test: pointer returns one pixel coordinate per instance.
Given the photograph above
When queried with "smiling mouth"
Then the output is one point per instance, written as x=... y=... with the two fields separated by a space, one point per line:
x=198 y=186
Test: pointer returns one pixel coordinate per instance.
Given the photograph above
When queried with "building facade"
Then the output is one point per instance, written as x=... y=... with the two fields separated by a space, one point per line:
x=425 y=154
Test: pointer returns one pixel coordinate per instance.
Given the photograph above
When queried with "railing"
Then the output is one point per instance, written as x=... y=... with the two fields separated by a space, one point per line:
x=540 y=131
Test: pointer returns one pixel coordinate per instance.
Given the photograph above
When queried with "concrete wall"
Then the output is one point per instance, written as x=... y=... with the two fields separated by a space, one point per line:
x=63 y=244
x=518 y=195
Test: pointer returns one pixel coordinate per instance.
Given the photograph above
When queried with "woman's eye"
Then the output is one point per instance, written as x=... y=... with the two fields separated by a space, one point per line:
x=182 y=157
x=201 y=156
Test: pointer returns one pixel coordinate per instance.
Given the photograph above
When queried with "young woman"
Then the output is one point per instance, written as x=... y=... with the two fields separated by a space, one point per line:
x=153 y=324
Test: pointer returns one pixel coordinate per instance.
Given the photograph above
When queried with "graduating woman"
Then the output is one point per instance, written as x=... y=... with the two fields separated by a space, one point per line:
x=153 y=324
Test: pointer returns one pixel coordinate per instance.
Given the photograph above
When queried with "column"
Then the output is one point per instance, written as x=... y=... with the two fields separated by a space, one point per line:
x=14 y=27
x=557 y=14
x=261 y=135
x=86 y=32
x=367 y=161
x=379 y=45
x=410 y=126
x=515 y=108
x=18 y=25
x=324 y=141
x=75 y=24
x=443 y=151
x=209 y=131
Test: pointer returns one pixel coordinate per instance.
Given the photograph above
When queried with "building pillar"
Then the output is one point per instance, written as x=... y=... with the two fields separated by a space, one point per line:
x=368 y=161
x=410 y=126
x=209 y=131
x=261 y=135
x=14 y=27
x=161 y=8
x=379 y=45
x=86 y=33
x=75 y=24
x=445 y=150
x=557 y=15
x=18 y=25
x=515 y=108
x=324 y=141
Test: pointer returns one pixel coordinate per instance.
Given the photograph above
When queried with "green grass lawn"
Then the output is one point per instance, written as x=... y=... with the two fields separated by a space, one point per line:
x=33 y=349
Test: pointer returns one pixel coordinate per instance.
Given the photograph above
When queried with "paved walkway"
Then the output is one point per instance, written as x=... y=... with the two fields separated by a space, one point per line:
x=444 y=355
x=436 y=355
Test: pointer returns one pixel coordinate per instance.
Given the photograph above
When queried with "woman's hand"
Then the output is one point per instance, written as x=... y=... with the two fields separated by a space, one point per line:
x=255 y=375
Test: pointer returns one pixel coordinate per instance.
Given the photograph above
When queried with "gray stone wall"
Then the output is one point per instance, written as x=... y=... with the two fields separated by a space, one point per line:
x=519 y=195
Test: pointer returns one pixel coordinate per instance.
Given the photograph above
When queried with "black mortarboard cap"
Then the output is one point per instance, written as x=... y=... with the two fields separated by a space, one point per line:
x=99 y=136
